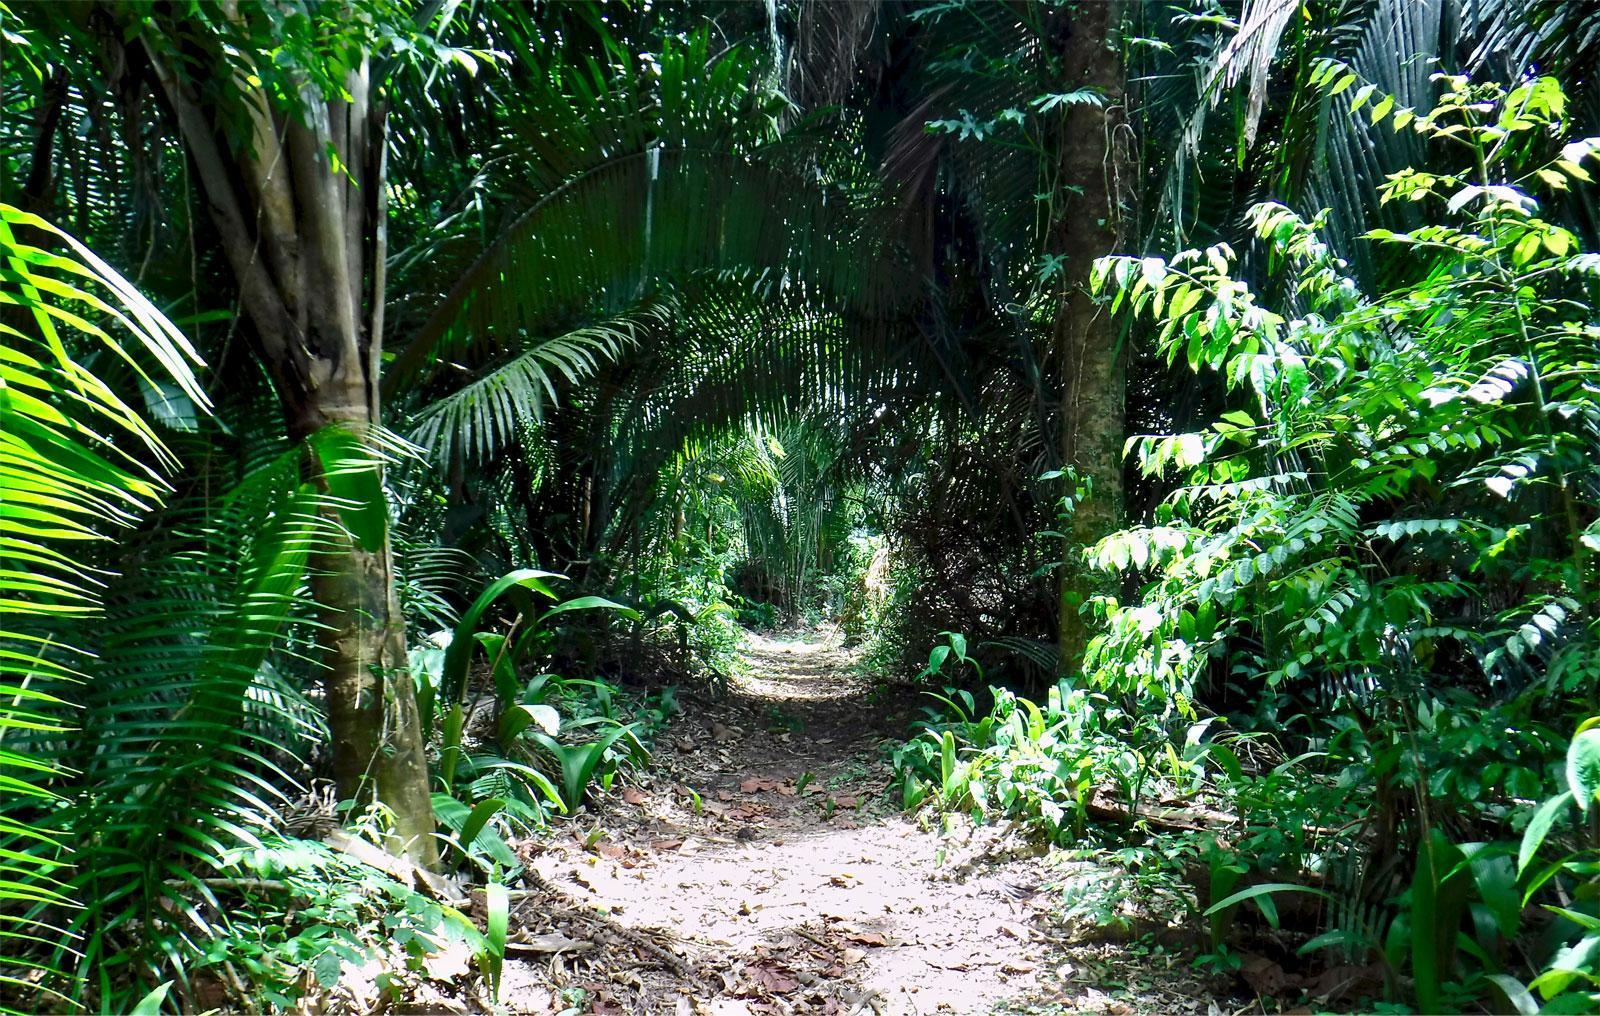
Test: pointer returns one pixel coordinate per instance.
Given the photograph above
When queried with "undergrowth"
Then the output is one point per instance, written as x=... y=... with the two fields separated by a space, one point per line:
x=1358 y=659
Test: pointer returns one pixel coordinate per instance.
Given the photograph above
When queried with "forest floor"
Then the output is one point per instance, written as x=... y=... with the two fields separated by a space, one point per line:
x=761 y=868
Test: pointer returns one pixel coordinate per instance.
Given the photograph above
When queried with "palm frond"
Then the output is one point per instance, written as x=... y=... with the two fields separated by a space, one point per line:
x=192 y=738
x=480 y=418
x=76 y=463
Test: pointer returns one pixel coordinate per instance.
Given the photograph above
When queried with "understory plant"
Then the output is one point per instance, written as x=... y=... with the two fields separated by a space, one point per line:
x=513 y=746
x=1384 y=553
x=1037 y=764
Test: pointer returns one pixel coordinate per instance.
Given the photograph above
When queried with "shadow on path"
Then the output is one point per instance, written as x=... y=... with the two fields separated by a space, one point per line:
x=762 y=869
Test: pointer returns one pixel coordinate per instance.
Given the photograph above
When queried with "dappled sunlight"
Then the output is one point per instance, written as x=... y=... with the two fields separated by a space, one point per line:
x=795 y=669
x=812 y=506
x=767 y=852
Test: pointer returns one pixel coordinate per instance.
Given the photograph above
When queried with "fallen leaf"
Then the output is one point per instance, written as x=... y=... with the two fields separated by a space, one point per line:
x=868 y=938
x=852 y=955
x=776 y=980
x=1264 y=976
x=1016 y=967
x=672 y=843
x=633 y=795
x=554 y=942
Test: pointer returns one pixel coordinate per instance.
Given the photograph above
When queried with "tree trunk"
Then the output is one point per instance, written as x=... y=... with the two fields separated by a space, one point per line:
x=306 y=241
x=1092 y=194
x=372 y=709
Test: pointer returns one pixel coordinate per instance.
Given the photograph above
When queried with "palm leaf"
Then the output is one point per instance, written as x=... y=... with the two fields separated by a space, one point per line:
x=72 y=469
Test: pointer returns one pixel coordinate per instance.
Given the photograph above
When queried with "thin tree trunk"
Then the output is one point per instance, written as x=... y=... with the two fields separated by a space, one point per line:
x=1087 y=225
x=372 y=710
x=38 y=189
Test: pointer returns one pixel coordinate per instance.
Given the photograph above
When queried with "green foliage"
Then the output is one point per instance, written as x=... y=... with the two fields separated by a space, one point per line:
x=78 y=462
x=1427 y=423
x=504 y=762
x=297 y=906
x=1040 y=765
x=190 y=739
x=1391 y=528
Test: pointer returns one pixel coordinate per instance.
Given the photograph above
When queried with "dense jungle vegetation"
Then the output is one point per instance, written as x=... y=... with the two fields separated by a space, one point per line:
x=1185 y=415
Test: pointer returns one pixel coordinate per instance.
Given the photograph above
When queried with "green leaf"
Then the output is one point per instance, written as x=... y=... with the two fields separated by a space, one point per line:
x=497 y=909
x=327 y=968
x=590 y=603
x=1264 y=889
x=523 y=715
x=150 y=1005
x=481 y=813
x=1438 y=899
x=1583 y=767
x=353 y=472
x=1539 y=827
x=453 y=674
x=455 y=816
x=1517 y=994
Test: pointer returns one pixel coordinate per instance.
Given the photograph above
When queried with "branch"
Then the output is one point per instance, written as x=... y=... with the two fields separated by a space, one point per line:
x=275 y=328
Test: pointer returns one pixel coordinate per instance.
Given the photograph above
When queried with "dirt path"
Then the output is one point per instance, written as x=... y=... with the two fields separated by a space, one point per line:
x=763 y=870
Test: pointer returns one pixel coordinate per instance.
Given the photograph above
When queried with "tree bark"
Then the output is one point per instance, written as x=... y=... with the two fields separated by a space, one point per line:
x=305 y=239
x=1092 y=195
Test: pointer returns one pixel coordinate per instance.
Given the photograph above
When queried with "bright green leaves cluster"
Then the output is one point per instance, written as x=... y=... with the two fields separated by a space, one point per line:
x=1391 y=531
x=506 y=782
x=1038 y=764
x=77 y=462
x=1395 y=454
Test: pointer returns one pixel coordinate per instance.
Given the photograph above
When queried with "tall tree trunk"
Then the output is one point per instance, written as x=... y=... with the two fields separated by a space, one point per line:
x=306 y=238
x=1093 y=189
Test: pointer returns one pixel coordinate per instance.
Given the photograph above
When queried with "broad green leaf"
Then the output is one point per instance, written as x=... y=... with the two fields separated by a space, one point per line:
x=1539 y=827
x=1583 y=767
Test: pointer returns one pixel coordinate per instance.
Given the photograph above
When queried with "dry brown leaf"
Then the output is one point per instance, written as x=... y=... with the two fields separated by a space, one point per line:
x=1264 y=976
x=633 y=795
x=553 y=942
x=772 y=978
x=871 y=938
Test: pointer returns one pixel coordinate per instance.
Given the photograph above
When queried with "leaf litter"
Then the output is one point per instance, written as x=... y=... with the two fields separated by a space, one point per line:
x=764 y=871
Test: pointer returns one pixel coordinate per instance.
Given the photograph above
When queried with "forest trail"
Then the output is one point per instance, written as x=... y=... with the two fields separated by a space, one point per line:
x=762 y=869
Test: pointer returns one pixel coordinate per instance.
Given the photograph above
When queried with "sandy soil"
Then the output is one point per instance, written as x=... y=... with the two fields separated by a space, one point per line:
x=763 y=869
